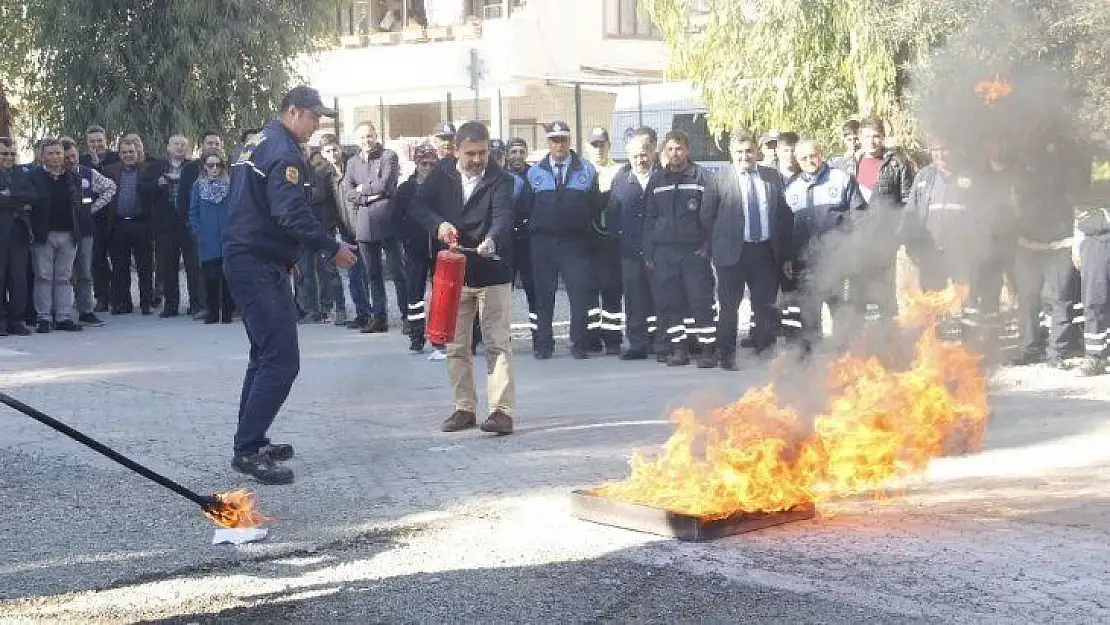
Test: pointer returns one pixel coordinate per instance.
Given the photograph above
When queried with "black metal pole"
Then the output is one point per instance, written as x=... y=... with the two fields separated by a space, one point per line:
x=450 y=113
x=96 y=446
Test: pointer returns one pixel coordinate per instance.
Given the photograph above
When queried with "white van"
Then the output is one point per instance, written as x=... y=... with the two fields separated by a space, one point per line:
x=666 y=107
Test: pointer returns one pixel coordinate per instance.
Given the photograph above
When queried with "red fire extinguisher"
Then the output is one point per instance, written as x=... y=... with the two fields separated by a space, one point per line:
x=447 y=284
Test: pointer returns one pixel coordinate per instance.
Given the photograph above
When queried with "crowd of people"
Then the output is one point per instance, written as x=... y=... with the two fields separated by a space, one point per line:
x=656 y=254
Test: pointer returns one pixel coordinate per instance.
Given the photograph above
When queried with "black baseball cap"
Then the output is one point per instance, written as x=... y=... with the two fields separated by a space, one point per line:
x=514 y=142
x=497 y=145
x=305 y=97
x=599 y=135
x=556 y=130
x=445 y=130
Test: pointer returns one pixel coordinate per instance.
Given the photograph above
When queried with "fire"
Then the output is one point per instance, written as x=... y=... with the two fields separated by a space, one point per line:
x=878 y=425
x=234 y=509
x=992 y=90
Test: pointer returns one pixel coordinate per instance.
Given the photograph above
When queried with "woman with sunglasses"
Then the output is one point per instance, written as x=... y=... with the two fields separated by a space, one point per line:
x=208 y=219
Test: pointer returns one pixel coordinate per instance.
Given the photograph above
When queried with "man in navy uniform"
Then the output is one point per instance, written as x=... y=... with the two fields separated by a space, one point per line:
x=565 y=202
x=268 y=221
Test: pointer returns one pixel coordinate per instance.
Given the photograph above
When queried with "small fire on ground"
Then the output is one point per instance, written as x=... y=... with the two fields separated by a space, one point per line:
x=990 y=91
x=234 y=509
x=758 y=454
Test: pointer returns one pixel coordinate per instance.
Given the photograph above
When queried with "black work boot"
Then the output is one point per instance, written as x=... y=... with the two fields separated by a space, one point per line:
x=262 y=468
x=278 y=452
x=707 y=359
x=727 y=360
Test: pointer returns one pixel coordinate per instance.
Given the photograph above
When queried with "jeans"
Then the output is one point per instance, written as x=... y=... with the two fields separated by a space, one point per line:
x=371 y=253
x=319 y=285
x=356 y=282
x=53 y=272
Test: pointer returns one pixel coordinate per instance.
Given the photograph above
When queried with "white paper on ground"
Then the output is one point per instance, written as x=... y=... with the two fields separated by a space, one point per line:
x=238 y=536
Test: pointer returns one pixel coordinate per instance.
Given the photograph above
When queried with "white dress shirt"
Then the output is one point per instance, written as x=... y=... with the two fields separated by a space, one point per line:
x=470 y=183
x=742 y=175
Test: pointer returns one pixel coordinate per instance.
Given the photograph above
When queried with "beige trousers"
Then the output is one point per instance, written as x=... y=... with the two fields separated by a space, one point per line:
x=493 y=305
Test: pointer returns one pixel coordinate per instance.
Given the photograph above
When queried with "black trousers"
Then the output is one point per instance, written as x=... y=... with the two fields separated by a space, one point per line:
x=603 y=321
x=261 y=289
x=567 y=257
x=1045 y=283
x=641 y=322
x=15 y=258
x=101 y=268
x=172 y=245
x=217 y=290
x=801 y=301
x=758 y=271
x=979 y=317
x=131 y=238
x=418 y=268
x=1094 y=271
x=684 y=286
x=522 y=270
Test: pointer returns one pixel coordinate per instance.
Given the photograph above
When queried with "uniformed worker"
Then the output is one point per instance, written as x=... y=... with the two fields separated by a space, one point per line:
x=605 y=315
x=676 y=252
x=565 y=202
x=1043 y=270
x=625 y=218
x=1092 y=257
x=823 y=200
x=443 y=138
x=268 y=221
x=949 y=231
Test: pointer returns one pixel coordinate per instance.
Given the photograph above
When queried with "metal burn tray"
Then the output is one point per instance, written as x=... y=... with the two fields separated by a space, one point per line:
x=589 y=506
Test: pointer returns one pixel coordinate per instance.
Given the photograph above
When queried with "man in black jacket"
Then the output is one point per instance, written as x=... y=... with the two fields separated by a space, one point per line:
x=163 y=189
x=16 y=199
x=885 y=179
x=55 y=224
x=468 y=202
x=750 y=233
x=625 y=217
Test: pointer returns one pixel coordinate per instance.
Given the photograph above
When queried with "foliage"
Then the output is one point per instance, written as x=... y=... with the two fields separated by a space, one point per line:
x=803 y=65
x=159 y=67
x=807 y=65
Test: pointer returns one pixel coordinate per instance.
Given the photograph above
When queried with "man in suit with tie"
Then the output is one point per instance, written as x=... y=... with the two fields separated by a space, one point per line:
x=750 y=228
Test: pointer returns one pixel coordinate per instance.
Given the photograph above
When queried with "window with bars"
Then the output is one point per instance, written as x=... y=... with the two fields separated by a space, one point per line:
x=628 y=19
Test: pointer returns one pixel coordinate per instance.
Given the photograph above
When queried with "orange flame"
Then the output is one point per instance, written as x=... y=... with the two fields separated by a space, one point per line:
x=877 y=425
x=235 y=509
x=990 y=91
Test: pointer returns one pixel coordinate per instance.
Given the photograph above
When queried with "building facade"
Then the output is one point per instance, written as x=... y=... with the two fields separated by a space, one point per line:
x=513 y=64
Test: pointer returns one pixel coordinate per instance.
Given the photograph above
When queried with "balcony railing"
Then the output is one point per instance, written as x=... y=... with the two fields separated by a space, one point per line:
x=390 y=22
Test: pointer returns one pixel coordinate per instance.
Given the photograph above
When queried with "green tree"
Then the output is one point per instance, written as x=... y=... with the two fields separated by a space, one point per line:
x=158 y=67
x=804 y=65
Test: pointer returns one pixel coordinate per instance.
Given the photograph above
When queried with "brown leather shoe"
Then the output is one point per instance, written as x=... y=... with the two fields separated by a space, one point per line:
x=498 y=423
x=459 y=420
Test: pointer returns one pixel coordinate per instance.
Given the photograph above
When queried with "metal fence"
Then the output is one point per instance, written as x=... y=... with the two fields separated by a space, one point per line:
x=619 y=108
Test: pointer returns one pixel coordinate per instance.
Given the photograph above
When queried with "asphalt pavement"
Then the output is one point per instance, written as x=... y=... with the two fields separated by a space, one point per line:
x=391 y=520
